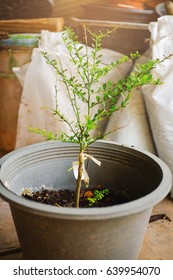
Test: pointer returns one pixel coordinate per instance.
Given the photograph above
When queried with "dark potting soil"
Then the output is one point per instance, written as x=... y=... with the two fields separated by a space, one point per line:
x=66 y=197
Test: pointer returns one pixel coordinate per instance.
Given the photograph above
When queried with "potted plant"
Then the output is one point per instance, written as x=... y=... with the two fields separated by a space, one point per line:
x=92 y=232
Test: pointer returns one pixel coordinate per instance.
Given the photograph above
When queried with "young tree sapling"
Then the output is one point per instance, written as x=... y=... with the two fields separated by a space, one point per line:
x=90 y=69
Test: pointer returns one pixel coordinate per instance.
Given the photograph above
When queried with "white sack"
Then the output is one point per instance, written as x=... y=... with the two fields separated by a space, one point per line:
x=38 y=98
x=131 y=124
x=159 y=99
x=20 y=73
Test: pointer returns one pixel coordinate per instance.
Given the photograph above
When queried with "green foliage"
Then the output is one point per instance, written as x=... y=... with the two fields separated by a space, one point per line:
x=97 y=196
x=90 y=70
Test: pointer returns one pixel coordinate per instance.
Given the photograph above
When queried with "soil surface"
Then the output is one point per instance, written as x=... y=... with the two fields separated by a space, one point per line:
x=66 y=197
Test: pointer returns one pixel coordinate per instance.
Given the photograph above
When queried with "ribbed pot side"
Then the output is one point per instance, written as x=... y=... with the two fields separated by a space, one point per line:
x=115 y=232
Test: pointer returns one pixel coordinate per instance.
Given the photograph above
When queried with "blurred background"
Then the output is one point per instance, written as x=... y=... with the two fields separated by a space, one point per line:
x=16 y=9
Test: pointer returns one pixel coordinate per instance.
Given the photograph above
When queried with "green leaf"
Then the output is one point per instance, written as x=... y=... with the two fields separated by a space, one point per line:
x=104 y=86
x=98 y=98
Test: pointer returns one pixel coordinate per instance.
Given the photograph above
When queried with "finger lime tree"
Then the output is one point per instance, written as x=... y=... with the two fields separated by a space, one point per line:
x=100 y=99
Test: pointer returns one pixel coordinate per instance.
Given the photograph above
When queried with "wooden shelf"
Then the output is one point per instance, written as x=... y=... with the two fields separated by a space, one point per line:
x=32 y=25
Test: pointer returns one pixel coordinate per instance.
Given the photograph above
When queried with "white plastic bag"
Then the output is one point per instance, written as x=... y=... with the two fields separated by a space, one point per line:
x=131 y=124
x=38 y=98
x=159 y=99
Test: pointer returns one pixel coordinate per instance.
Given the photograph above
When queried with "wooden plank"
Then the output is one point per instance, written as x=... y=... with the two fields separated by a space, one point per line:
x=128 y=37
x=9 y=244
x=110 y=24
x=158 y=240
x=32 y=25
x=12 y=256
x=8 y=237
x=67 y=9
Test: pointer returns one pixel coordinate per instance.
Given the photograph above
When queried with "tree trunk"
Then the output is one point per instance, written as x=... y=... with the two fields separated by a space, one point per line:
x=79 y=179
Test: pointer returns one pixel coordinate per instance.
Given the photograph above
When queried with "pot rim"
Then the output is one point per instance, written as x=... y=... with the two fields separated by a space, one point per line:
x=144 y=203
